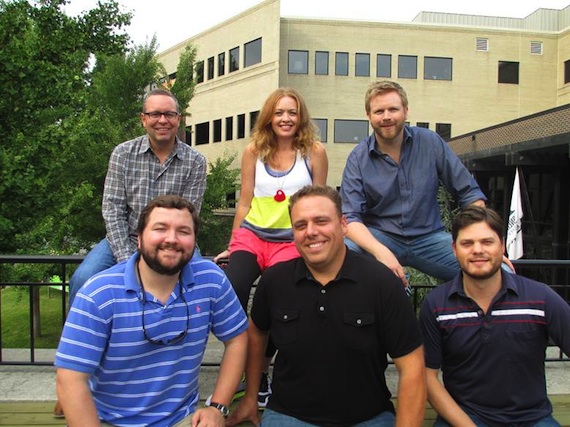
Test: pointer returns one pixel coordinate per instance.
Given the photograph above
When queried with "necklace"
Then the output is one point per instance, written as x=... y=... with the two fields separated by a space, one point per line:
x=280 y=194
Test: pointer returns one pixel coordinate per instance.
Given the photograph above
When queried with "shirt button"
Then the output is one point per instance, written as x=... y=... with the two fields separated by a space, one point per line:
x=285 y=317
x=323 y=291
x=359 y=321
x=321 y=308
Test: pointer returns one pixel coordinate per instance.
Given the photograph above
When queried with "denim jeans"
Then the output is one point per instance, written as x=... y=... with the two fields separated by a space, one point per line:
x=544 y=422
x=275 y=419
x=98 y=259
x=431 y=253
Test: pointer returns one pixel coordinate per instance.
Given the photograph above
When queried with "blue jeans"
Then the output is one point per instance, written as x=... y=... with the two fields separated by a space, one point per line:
x=431 y=253
x=98 y=259
x=275 y=419
x=544 y=422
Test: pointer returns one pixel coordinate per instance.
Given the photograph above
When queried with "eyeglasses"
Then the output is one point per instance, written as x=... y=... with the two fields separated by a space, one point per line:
x=155 y=115
x=177 y=338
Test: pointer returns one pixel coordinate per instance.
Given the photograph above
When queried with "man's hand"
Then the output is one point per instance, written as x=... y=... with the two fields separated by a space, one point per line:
x=208 y=417
x=509 y=264
x=247 y=410
x=386 y=257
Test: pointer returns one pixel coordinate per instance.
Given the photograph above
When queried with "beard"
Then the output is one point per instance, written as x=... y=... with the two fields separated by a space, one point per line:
x=482 y=274
x=151 y=258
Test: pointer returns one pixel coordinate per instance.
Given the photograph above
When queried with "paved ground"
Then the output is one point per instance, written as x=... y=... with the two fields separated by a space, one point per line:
x=37 y=383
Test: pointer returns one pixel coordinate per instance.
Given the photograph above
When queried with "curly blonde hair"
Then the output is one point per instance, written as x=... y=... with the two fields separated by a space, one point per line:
x=263 y=137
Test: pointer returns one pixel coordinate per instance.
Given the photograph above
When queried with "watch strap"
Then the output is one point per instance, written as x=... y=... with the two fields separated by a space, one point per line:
x=222 y=408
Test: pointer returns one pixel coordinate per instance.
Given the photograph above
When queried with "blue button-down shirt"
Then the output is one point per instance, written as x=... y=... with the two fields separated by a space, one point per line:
x=401 y=198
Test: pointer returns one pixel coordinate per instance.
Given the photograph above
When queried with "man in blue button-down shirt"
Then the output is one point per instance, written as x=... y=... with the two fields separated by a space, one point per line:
x=389 y=189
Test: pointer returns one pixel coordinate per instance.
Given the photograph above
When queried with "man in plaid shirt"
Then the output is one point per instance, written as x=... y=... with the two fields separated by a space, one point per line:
x=155 y=164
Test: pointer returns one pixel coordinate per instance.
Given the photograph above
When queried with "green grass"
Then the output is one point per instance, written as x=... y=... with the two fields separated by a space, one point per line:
x=15 y=303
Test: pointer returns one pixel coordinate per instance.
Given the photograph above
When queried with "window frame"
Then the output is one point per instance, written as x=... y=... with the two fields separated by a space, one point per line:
x=321 y=53
x=504 y=75
x=292 y=61
x=337 y=64
x=432 y=68
x=360 y=69
x=357 y=138
x=250 y=55
x=402 y=64
x=233 y=60
x=380 y=56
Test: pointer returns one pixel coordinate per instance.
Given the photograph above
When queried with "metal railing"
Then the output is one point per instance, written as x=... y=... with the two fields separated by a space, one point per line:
x=63 y=262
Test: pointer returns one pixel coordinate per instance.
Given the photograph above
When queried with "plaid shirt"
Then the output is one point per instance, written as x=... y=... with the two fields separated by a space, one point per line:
x=135 y=177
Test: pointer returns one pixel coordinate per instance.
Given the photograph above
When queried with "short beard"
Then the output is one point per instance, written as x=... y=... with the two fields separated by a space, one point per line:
x=151 y=259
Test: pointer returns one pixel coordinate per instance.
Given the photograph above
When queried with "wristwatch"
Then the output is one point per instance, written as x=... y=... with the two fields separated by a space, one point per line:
x=222 y=408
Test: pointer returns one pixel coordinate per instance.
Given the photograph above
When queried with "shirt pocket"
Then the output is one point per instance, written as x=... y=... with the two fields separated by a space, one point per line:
x=286 y=325
x=525 y=344
x=358 y=330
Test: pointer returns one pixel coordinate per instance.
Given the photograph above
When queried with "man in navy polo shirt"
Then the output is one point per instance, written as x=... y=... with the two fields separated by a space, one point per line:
x=333 y=315
x=487 y=330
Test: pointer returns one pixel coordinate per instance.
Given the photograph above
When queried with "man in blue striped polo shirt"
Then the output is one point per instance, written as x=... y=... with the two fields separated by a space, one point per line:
x=487 y=330
x=133 y=342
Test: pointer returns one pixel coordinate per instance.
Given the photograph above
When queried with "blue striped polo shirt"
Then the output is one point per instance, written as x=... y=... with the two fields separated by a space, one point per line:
x=135 y=382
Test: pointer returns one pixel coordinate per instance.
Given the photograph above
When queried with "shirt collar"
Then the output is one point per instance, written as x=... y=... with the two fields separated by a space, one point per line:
x=178 y=148
x=348 y=270
x=371 y=141
x=507 y=285
x=132 y=283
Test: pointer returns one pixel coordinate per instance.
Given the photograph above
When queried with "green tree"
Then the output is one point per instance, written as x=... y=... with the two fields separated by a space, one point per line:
x=44 y=73
x=222 y=180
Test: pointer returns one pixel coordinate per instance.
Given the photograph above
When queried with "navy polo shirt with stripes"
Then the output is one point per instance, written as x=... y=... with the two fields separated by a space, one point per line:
x=493 y=363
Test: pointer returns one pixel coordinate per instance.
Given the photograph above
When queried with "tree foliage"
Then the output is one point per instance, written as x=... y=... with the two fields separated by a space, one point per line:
x=71 y=89
x=216 y=227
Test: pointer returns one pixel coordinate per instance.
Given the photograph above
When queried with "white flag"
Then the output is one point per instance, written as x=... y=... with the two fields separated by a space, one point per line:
x=514 y=230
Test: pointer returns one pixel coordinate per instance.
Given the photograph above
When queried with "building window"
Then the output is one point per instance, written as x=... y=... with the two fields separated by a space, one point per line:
x=509 y=72
x=322 y=126
x=407 y=67
x=199 y=72
x=567 y=71
x=210 y=68
x=252 y=53
x=350 y=130
x=298 y=62
x=202 y=133
x=482 y=44
x=383 y=65
x=322 y=63
x=362 y=65
x=437 y=68
x=222 y=64
x=422 y=125
x=188 y=134
x=341 y=64
x=234 y=59
x=252 y=119
x=536 y=48
x=217 y=130
x=241 y=126
x=443 y=130
x=229 y=128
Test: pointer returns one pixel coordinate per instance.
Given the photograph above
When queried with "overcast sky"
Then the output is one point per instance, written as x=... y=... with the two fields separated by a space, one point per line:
x=176 y=20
